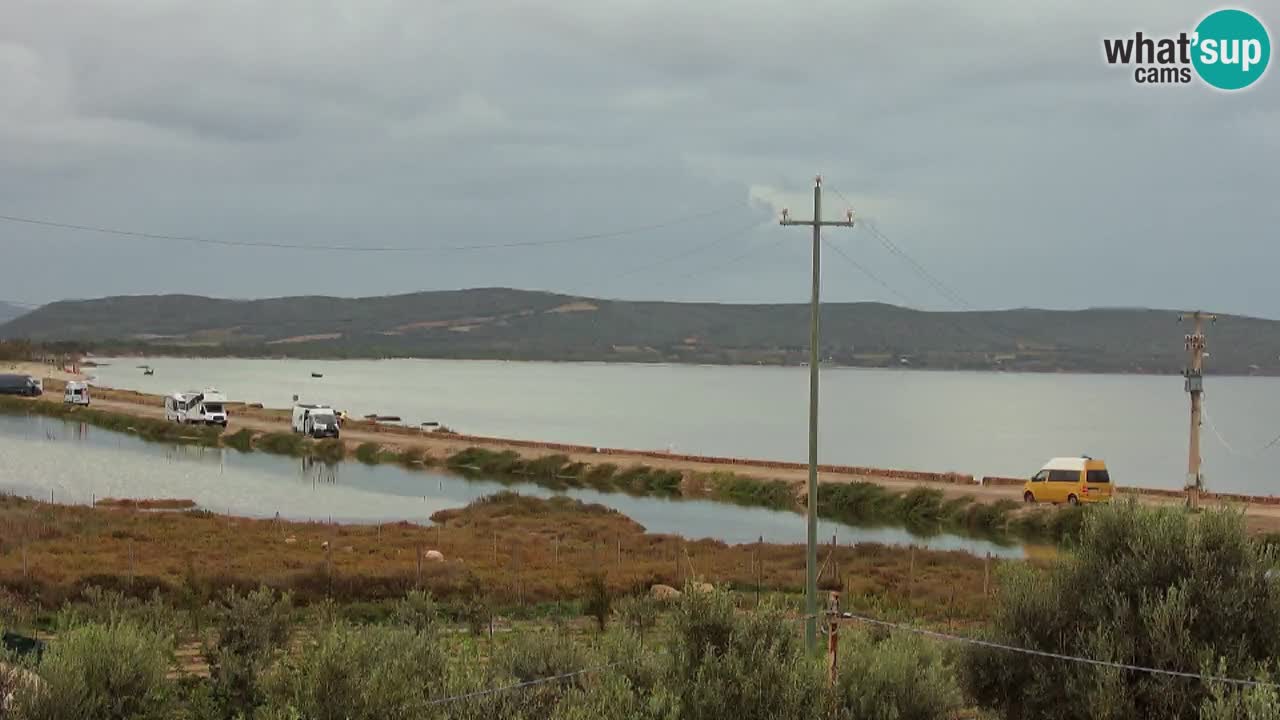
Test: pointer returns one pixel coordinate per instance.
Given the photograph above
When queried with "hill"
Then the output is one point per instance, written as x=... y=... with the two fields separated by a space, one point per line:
x=524 y=325
x=9 y=311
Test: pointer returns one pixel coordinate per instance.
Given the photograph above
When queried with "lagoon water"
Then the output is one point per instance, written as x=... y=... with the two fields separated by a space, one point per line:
x=78 y=463
x=980 y=423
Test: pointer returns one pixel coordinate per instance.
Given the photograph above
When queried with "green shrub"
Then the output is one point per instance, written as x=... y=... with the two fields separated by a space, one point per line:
x=899 y=677
x=639 y=613
x=103 y=671
x=1145 y=586
x=241 y=440
x=600 y=476
x=598 y=602
x=359 y=673
x=329 y=450
x=251 y=631
x=417 y=611
x=740 y=666
x=367 y=452
x=282 y=443
x=412 y=456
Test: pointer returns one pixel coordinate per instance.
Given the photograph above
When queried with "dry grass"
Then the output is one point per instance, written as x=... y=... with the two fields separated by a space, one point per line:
x=510 y=550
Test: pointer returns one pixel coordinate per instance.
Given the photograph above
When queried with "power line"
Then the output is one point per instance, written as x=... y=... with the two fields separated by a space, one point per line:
x=1272 y=443
x=1056 y=656
x=369 y=249
x=721 y=266
x=865 y=271
x=941 y=287
x=737 y=232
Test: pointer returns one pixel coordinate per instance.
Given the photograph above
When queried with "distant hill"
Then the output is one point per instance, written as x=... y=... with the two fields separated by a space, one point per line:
x=524 y=325
x=9 y=311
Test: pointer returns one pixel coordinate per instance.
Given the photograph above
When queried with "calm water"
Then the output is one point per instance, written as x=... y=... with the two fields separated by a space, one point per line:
x=78 y=462
x=979 y=423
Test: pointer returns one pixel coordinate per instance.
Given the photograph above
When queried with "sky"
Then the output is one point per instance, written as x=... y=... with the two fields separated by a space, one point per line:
x=636 y=149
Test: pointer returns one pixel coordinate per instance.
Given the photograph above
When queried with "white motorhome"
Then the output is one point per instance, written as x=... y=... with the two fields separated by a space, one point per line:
x=176 y=406
x=316 y=421
x=209 y=408
x=76 y=393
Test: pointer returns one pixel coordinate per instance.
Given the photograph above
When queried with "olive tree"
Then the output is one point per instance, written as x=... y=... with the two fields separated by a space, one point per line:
x=1150 y=587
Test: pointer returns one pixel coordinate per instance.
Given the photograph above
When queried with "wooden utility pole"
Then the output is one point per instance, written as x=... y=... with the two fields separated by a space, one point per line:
x=811 y=556
x=1194 y=385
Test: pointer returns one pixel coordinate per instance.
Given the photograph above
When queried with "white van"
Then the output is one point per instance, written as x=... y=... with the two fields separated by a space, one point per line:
x=176 y=406
x=77 y=393
x=208 y=407
x=316 y=421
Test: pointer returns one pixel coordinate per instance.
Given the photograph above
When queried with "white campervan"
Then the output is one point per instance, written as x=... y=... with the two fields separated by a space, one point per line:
x=176 y=405
x=77 y=393
x=208 y=407
x=316 y=421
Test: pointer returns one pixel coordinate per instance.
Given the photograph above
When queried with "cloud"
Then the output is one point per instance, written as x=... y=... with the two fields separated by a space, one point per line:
x=989 y=140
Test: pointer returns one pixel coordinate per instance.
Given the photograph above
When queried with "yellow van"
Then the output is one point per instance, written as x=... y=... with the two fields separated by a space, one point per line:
x=1069 y=480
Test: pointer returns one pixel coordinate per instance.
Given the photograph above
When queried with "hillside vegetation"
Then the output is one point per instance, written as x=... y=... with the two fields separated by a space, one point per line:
x=525 y=325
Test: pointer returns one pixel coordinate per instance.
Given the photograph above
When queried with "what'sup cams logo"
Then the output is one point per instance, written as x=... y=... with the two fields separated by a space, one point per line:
x=1228 y=50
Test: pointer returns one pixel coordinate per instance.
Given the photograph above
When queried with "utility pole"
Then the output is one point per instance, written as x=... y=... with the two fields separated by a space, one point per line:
x=811 y=557
x=1194 y=374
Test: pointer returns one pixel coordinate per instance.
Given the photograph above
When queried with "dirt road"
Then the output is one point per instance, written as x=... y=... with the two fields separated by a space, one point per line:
x=1261 y=518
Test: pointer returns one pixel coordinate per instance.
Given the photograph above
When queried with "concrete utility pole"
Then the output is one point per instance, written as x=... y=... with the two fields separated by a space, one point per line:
x=811 y=558
x=1194 y=374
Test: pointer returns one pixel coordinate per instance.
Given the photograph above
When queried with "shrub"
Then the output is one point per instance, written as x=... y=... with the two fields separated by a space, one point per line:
x=358 y=673
x=241 y=440
x=251 y=630
x=745 y=667
x=899 y=677
x=598 y=603
x=368 y=452
x=639 y=613
x=103 y=671
x=281 y=443
x=1146 y=586
x=417 y=611
x=329 y=450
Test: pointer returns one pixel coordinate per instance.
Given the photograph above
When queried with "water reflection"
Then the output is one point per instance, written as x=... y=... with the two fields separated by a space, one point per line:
x=78 y=462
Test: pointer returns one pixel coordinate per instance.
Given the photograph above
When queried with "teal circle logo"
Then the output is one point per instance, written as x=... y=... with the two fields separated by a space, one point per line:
x=1232 y=49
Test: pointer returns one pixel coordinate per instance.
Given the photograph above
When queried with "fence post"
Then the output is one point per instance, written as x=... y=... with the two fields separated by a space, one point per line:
x=911 y=575
x=833 y=645
x=131 y=565
x=986 y=575
x=759 y=568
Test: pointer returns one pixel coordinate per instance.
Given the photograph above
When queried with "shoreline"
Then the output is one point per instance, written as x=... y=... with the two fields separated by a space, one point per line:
x=1263 y=511
x=660 y=363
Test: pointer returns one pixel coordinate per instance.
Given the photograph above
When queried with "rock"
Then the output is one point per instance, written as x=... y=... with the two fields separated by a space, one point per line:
x=434 y=555
x=290 y=540
x=664 y=592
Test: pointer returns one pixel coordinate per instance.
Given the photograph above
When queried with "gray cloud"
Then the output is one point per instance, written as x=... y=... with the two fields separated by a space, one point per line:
x=990 y=140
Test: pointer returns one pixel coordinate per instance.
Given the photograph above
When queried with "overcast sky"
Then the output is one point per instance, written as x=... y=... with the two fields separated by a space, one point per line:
x=986 y=139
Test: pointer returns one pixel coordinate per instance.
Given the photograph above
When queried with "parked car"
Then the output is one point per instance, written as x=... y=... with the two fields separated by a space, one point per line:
x=20 y=385
x=1071 y=480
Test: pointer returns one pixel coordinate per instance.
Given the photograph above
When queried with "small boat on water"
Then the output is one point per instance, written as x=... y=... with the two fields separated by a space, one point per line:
x=317 y=375
x=149 y=371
